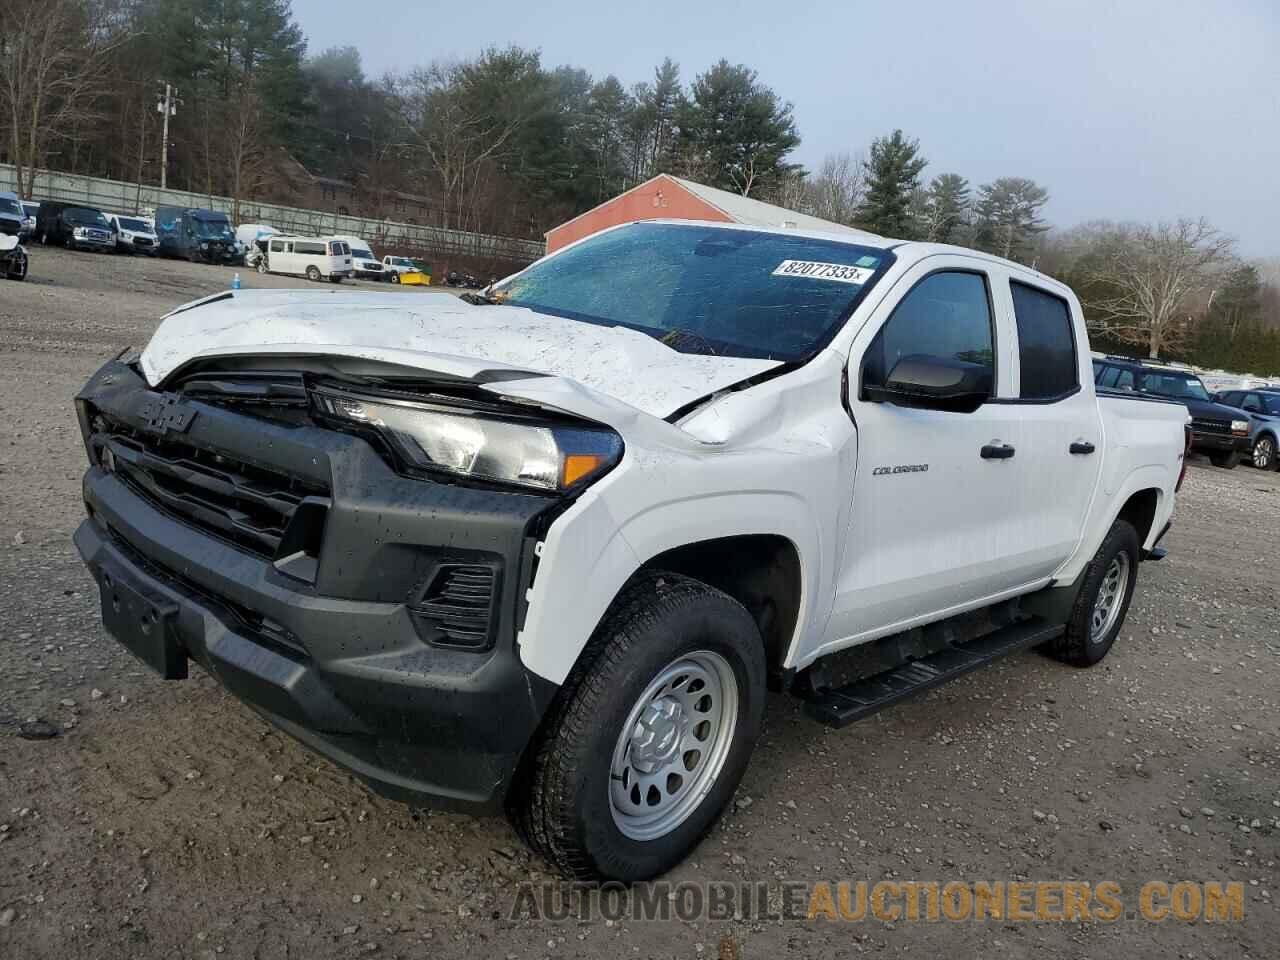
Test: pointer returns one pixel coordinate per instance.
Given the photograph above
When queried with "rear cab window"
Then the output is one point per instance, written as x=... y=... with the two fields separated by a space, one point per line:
x=1046 y=343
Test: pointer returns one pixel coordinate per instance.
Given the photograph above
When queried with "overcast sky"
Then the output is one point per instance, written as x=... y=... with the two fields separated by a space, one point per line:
x=1128 y=109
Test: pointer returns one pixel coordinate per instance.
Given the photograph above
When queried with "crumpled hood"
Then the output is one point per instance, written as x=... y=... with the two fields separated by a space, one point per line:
x=436 y=332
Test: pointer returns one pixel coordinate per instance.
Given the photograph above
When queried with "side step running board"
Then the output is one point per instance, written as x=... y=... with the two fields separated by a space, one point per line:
x=841 y=706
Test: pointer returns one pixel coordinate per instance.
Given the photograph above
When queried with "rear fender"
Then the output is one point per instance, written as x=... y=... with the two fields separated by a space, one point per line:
x=1107 y=509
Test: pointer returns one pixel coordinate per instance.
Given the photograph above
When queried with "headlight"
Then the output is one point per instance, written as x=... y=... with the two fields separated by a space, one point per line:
x=204 y=245
x=530 y=454
x=1239 y=426
x=78 y=232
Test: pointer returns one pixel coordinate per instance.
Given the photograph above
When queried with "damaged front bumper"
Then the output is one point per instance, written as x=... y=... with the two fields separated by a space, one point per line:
x=382 y=635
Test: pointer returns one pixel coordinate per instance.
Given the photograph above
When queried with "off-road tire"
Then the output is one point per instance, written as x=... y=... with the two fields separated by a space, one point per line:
x=561 y=800
x=1076 y=646
x=1227 y=461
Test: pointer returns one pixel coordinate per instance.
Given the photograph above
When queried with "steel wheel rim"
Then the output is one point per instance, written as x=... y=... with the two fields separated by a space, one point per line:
x=1110 y=599
x=1262 y=453
x=673 y=745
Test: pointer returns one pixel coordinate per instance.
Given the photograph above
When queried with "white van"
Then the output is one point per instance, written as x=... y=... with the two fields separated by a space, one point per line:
x=363 y=262
x=310 y=257
x=134 y=234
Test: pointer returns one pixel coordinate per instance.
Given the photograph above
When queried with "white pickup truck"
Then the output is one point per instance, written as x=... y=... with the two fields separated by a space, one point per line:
x=546 y=547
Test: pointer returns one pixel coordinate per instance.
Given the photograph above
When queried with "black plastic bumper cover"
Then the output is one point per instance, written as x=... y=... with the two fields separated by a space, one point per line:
x=1219 y=442
x=338 y=664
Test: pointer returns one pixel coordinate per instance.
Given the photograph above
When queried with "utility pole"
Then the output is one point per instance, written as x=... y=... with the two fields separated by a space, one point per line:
x=168 y=109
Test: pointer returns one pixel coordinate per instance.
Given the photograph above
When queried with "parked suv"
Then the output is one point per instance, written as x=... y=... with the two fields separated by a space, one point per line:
x=13 y=221
x=1263 y=407
x=1217 y=430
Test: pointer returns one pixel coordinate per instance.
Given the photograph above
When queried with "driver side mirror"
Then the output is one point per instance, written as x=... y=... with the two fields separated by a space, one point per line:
x=933 y=383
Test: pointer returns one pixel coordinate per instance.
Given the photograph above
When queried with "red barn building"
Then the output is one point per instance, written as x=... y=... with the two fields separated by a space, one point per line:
x=665 y=197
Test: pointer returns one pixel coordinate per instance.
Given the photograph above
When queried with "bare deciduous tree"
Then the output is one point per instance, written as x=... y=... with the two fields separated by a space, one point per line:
x=1145 y=277
x=457 y=140
x=52 y=55
x=836 y=190
x=244 y=137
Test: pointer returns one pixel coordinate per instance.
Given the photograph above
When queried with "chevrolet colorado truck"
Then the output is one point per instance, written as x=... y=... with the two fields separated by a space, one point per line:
x=545 y=548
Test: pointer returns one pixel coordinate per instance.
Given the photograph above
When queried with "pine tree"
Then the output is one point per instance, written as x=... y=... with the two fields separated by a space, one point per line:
x=946 y=208
x=893 y=170
x=735 y=132
x=1008 y=216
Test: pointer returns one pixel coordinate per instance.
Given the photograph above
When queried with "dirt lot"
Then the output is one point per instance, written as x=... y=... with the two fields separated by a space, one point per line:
x=166 y=819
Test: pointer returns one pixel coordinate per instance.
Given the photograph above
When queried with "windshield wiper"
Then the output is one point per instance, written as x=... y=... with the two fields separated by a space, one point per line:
x=678 y=337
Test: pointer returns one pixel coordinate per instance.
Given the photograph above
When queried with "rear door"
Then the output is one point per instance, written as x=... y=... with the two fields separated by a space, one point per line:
x=1058 y=427
x=936 y=522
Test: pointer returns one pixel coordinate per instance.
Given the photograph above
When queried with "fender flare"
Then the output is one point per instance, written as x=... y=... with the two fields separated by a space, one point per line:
x=591 y=558
x=1150 y=477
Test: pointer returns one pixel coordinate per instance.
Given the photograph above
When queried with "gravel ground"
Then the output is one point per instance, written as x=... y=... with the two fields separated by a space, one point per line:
x=166 y=819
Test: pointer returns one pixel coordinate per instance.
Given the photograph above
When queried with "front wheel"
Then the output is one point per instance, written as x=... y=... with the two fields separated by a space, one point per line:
x=649 y=736
x=1103 y=600
x=395 y=278
x=1227 y=461
x=17 y=269
x=1264 y=452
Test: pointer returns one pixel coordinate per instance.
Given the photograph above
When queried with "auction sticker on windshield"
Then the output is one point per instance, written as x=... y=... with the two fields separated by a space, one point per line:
x=813 y=270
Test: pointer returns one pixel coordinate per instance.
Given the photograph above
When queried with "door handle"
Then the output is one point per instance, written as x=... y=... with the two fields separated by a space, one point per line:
x=1081 y=446
x=995 y=450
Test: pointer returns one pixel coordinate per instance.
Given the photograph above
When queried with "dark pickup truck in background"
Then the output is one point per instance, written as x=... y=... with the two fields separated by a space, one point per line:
x=1218 y=431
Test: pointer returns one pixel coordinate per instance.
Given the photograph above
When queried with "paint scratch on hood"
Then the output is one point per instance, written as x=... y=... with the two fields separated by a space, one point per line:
x=436 y=332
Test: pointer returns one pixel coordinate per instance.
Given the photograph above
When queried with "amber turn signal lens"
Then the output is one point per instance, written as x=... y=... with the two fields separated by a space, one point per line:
x=579 y=465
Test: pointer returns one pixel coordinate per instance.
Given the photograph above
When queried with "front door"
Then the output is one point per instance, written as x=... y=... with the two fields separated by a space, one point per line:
x=937 y=508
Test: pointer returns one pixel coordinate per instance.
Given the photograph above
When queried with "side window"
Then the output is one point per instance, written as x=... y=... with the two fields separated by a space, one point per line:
x=1252 y=403
x=946 y=315
x=1100 y=370
x=1125 y=380
x=1105 y=376
x=1046 y=343
x=277 y=246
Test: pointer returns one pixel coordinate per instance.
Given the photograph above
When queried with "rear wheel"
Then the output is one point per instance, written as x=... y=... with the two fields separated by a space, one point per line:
x=313 y=274
x=1227 y=461
x=1264 y=452
x=395 y=278
x=649 y=736
x=1103 y=601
